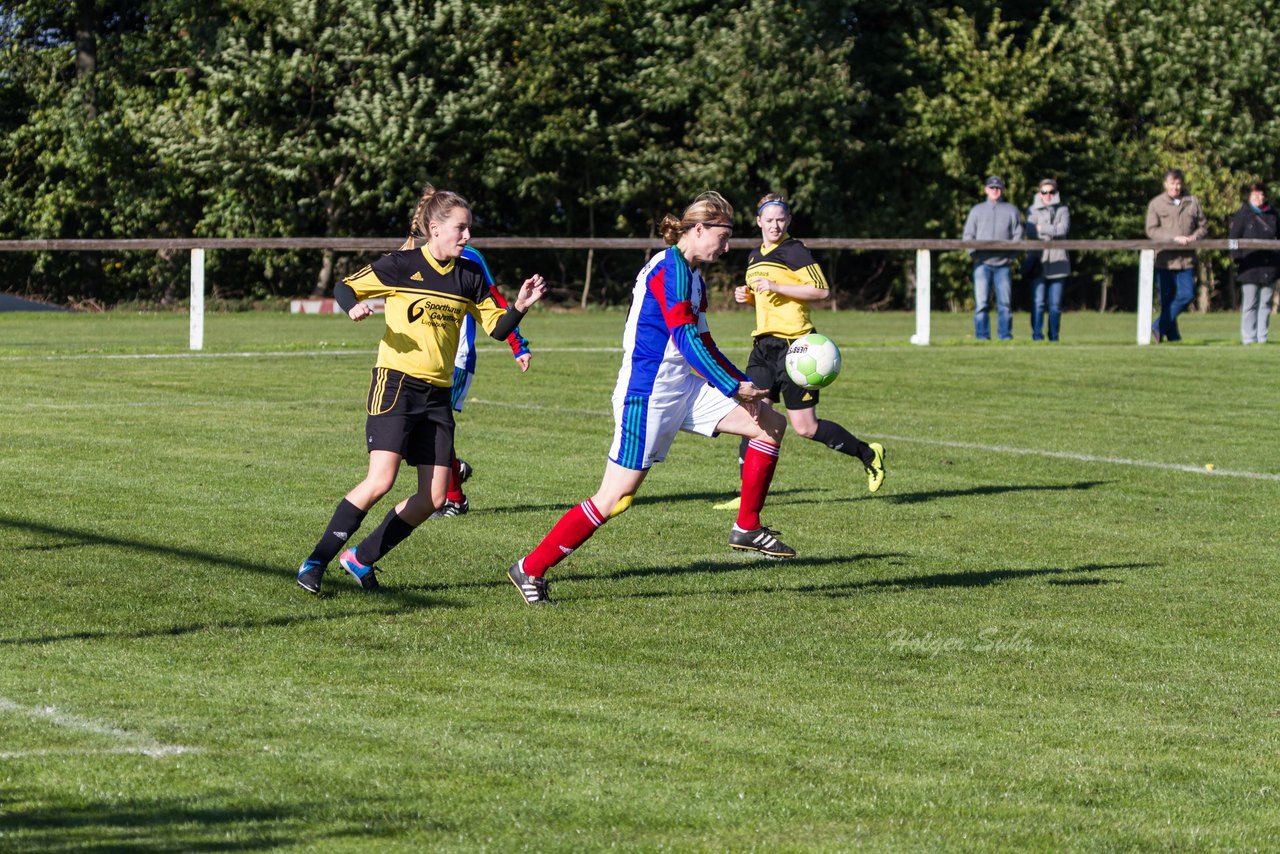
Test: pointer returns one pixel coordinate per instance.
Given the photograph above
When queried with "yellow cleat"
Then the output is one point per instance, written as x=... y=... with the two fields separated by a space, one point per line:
x=732 y=504
x=875 y=471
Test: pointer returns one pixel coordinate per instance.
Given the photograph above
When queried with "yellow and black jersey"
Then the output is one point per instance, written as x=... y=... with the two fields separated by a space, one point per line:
x=788 y=262
x=425 y=304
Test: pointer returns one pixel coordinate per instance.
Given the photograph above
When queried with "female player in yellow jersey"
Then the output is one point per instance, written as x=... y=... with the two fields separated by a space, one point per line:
x=410 y=418
x=782 y=280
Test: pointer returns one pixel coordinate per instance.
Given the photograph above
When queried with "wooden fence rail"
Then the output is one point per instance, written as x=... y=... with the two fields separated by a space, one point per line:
x=923 y=248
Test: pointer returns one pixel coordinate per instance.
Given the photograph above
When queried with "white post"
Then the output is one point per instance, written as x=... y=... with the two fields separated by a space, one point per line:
x=197 y=299
x=923 y=288
x=1146 y=272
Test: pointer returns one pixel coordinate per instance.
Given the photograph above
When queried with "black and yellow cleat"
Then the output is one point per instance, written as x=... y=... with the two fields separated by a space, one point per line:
x=875 y=471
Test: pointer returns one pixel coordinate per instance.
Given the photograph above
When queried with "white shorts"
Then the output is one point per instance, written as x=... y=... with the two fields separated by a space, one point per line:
x=645 y=426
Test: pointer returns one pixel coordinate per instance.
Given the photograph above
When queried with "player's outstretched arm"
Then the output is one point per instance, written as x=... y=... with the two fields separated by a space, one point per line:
x=532 y=289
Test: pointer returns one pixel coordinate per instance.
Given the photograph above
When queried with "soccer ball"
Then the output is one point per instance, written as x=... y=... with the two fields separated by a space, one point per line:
x=813 y=361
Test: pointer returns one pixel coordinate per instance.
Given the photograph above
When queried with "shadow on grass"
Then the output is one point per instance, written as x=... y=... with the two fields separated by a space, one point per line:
x=741 y=564
x=405 y=600
x=933 y=581
x=994 y=489
x=219 y=626
x=137 y=825
x=167 y=825
x=984 y=578
x=756 y=564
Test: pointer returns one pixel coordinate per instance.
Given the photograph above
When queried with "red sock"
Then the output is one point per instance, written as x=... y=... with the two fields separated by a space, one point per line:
x=573 y=529
x=757 y=473
x=455 y=482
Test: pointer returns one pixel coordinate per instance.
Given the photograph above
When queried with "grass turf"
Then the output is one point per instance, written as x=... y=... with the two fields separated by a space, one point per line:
x=1042 y=634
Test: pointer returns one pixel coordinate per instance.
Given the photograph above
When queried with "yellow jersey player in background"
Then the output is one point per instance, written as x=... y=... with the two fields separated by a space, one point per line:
x=783 y=279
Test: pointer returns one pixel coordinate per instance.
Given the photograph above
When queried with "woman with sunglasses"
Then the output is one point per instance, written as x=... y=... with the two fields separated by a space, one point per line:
x=673 y=378
x=1047 y=219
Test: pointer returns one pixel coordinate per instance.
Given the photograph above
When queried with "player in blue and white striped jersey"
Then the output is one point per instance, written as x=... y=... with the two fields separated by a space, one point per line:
x=673 y=378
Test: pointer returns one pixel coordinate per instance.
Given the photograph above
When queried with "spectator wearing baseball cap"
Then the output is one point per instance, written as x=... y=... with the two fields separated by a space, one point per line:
x=993 y=219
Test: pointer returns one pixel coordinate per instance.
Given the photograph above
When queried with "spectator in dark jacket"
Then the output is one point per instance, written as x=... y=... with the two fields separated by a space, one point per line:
x=1255 y=268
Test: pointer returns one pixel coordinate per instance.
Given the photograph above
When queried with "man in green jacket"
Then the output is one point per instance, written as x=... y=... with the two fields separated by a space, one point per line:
x=1172 y=215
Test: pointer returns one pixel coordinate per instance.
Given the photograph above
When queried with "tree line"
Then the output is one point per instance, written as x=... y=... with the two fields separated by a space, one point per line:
x=278 y=118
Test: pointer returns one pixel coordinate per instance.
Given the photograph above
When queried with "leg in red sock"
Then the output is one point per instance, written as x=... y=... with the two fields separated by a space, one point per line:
x=573 y=529
x=757 y=473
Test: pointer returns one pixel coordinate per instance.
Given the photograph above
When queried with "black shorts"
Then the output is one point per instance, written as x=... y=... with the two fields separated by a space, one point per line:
x=767 y=368
x=410 y=417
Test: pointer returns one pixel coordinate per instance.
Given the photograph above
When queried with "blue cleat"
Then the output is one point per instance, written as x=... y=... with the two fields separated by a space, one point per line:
x=309 y=575
x=358 y=571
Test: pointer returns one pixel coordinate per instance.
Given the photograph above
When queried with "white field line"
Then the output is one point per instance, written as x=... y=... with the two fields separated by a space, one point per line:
x=85 y=751
x=129 y=742
x=1088 y=458
x=972 y=446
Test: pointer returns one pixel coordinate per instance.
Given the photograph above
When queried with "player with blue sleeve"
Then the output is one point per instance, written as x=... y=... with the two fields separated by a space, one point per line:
x=673 y=378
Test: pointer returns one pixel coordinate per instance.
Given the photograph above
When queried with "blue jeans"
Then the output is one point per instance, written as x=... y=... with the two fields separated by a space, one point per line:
x=1039 y=287
x=1177 y=290
x=983 y=276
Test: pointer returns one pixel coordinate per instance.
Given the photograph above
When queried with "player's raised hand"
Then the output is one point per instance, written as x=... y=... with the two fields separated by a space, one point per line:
x=533 y=289
x=523 y=361
x=359 y=311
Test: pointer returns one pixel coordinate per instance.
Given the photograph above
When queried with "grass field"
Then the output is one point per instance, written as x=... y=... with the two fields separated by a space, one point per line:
x=1053 y=629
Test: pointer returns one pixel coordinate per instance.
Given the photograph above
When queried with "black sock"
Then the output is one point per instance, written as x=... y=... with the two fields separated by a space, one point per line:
x=839 y=439
x=345 y=522
x=383 y=539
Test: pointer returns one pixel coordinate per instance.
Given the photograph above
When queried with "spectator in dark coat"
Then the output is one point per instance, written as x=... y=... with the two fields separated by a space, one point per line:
x=1255 y=268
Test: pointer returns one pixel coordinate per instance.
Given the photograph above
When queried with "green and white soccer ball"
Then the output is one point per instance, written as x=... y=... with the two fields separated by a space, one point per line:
x=813 y=361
